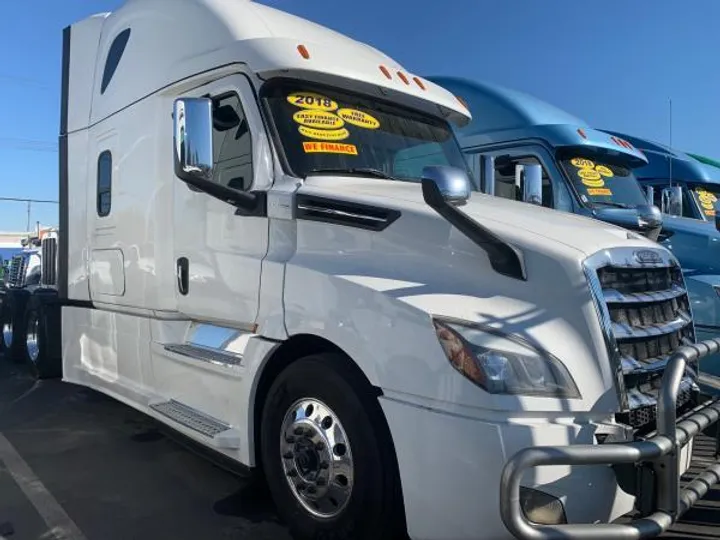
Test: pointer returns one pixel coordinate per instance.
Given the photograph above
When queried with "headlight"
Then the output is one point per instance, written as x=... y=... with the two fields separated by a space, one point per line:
x=502 y=364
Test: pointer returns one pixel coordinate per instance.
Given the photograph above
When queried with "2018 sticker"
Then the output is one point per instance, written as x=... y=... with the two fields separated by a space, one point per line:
x=312 y=147
x=605 y=171
x=324 y=134
x=582 y=163
x=599 y=191
x=318 y=119
x=359 y=118
x=311 y=100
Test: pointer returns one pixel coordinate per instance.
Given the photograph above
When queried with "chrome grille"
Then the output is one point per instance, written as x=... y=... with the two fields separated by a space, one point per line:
x=644 y=307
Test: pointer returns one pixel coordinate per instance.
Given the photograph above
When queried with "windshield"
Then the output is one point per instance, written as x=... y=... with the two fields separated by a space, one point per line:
x=603 y=184
x=705 y=196
x=326 y=130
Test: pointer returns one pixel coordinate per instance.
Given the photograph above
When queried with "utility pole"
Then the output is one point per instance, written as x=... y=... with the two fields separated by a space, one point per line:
x=29 y=205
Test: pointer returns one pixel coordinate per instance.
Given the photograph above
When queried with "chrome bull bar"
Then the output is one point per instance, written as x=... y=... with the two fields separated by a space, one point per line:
x=659 y=451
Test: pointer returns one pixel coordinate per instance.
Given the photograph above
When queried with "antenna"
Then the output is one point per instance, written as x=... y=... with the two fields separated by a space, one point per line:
x=671 y=158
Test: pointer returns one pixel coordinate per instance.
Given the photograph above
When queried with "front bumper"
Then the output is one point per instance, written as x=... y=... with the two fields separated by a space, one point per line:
x=659 y=453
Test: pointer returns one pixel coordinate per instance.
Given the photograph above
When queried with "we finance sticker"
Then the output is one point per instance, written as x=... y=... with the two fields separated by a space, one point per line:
x=310 y=100
x=324 y=134
x=313 y=147
x=318 y=119
x=599 y=192
x=359 y=118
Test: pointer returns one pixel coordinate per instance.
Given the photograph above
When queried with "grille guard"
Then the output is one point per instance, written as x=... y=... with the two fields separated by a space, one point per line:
x=659 y=451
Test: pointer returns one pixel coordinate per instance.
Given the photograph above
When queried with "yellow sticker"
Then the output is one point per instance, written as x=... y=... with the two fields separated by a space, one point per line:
x=707 y=201
x=605 y=171
x=318 y=119
x=359 y=118
x=589 y=174
x=312 y=147
x=582 y=163
x=310 y=100
x=324 y=134
x=599 y=191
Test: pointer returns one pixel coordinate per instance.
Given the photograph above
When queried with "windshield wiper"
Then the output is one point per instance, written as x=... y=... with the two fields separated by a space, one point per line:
x=361 y=171
x=613 y=204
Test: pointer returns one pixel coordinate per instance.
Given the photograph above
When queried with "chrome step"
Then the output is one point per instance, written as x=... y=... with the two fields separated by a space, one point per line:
x=205 y=354
x=221 y=434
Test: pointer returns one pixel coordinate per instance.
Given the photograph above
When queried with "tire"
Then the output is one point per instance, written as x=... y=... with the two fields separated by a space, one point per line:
x=3 y=310
x=13 y=324
x=42 y=350
x=373 y=509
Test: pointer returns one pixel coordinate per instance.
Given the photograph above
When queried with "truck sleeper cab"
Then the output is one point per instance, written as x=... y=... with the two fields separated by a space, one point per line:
x=687 y=191
x=581 y=170
x=269 y=243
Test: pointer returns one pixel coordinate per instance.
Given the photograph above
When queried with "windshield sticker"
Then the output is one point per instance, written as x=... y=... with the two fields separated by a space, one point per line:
x=312 y=147
x=707 y=201
x=598 y=192
x=318 y=119
x=310 y=100
x=359 y=118
x=582 y=163
x=324 y=134
x=605 y=171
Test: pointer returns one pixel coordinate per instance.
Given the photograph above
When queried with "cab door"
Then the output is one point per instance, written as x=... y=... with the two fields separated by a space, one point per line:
x=219 y=251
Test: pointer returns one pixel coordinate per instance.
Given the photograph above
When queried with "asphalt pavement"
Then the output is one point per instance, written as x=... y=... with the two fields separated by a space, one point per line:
x=77 y=465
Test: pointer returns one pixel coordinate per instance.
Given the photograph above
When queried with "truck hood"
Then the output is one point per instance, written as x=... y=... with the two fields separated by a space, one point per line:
x=514 y=221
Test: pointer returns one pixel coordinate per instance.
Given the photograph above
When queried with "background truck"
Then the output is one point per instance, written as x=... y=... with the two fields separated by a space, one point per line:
x=273 y=249
x=29 y=308
x=687 y=191
x=517 y=142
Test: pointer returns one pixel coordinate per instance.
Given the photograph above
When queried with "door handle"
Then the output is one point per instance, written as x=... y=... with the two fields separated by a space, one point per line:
x=181 y=272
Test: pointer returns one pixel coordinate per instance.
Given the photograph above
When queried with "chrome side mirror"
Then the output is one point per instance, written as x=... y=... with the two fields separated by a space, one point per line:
x=445 y=185
x=193 y=145
x=672 y=201
x=650 y=195
x=488 y=174
x=532 y=185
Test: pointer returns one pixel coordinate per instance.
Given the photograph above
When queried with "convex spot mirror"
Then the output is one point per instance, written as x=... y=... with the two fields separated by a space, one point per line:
x=445 y=185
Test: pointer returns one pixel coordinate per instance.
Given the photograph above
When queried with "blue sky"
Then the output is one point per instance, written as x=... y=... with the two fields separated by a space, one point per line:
x=613 y=63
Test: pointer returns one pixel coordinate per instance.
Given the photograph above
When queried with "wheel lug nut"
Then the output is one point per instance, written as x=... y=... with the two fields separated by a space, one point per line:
x=288 y=455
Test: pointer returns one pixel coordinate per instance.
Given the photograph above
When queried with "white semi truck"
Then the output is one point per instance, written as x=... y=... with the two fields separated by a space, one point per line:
x=268 y=243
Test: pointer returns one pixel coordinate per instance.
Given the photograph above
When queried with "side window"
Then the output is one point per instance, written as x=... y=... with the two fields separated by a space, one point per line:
x=508 y=184
x=113 y=58
x=232 y=143
x=104 y=183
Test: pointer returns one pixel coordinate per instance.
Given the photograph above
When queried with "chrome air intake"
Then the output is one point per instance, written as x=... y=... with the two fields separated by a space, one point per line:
x=644 y=309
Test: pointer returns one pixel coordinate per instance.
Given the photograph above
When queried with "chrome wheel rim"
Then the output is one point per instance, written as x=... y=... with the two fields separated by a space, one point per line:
x=316 y=458
x=32 y=343
x=7 y=334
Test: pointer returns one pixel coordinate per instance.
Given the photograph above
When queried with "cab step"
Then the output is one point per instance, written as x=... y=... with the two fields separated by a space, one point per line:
x=220 y=434
x=205 y=354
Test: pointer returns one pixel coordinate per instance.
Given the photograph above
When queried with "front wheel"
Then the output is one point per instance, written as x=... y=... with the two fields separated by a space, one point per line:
x=326 y=454
x=42 y=335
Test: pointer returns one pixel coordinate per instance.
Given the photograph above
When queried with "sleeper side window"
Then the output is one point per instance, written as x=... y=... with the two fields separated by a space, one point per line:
x=113 y=58
x=232 y=143
x=104 y=183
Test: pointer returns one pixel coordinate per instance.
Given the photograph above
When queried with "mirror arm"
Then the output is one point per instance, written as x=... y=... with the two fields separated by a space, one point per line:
x=248 y=204
x=503 y=258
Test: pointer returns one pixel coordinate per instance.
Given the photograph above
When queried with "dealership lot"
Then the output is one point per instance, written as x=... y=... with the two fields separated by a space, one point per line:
x=75 y=464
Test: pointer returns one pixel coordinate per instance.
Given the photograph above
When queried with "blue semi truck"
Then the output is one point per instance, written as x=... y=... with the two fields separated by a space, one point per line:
x=687 y=189
x=516 y=140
